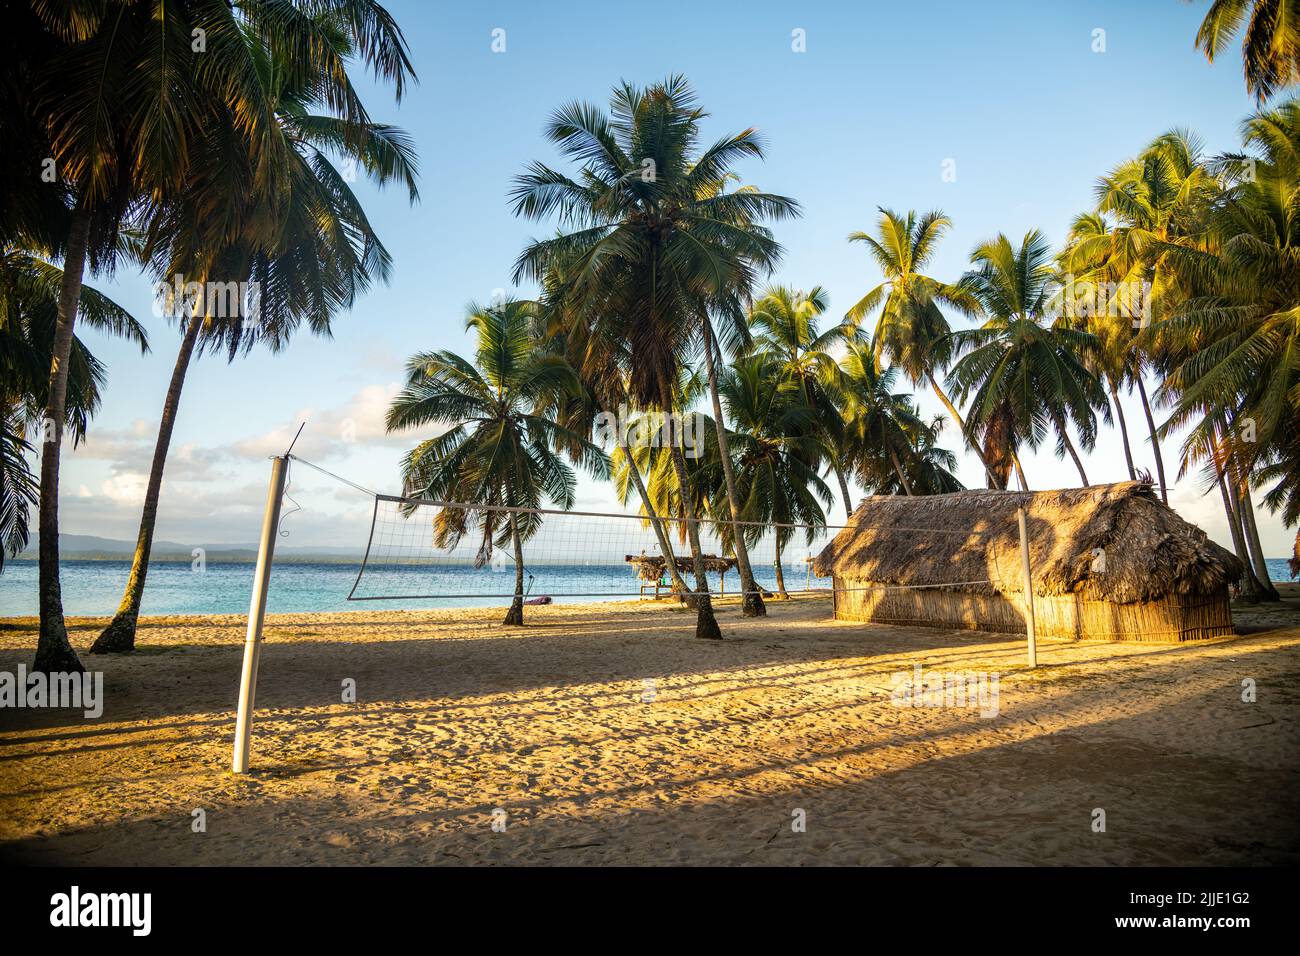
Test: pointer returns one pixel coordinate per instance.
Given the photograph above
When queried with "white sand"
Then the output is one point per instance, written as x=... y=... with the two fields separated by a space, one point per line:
x=458 y=716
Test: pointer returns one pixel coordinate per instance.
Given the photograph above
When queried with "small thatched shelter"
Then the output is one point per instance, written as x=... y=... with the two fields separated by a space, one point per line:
x=1110 y=562
x=650 y=567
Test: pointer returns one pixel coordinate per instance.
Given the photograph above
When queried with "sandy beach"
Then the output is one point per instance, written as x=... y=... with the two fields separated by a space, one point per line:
x=606 y=734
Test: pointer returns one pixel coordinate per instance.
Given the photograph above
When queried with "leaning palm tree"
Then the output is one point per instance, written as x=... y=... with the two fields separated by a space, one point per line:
x=778 y=447
x=306 y=246
x=651 y=454
x=115 y=97
x=786 y=329
x=1270 y=46
x=1022 y=376
x=29 y=295
x=911 y=329
x=499 y=453
x=642 y=459
x=653 y=244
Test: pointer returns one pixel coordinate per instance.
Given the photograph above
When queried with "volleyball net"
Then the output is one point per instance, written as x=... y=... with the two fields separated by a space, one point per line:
x=423 y=549
x=428 y=550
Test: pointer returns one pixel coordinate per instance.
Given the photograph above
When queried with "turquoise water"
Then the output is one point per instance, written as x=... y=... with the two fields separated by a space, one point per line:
x=95 y=587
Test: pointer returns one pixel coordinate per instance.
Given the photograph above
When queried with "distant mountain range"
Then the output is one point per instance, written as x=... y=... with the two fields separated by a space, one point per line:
x=89 y=547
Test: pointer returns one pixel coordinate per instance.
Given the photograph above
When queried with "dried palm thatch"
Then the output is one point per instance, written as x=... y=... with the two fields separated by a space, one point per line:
x=1109 y=562
x=1295 y=557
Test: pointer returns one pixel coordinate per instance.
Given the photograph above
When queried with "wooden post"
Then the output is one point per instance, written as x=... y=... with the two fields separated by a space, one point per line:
x=257 y=615
x=1029 y=588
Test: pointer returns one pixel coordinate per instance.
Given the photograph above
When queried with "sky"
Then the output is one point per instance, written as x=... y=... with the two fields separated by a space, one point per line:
x=1026 y=102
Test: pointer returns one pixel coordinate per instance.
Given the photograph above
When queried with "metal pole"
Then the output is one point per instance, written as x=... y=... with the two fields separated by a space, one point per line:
x=257 y=614
x=1029 y=588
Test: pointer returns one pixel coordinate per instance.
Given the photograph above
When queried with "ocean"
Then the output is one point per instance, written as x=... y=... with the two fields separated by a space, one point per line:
x=95 y=587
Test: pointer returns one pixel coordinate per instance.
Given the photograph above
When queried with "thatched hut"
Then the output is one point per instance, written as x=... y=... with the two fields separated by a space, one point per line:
x=650 y=569
x=1109 y=562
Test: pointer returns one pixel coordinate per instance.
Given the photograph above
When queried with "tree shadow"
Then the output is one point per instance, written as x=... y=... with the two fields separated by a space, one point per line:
x=991 y=801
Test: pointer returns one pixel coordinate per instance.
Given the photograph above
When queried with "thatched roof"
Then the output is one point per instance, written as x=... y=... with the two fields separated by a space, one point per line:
x=650 y=567
x=1149 y=551
x=1295 y=557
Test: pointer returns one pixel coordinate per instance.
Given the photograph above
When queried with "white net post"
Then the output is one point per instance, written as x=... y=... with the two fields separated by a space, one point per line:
x=1029 y=588
x=257 y=615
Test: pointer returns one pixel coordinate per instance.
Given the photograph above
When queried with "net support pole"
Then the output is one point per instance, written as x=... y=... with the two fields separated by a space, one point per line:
x=257 y=614
x=1029 y=588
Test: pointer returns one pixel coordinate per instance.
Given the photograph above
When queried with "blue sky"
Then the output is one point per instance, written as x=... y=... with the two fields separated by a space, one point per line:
x=1012 y=92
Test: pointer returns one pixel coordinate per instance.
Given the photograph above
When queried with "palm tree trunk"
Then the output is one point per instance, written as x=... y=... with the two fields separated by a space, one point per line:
x=898 y=470
x=1239 y=484
x=844 y=493
x=1155 y=439
x=1250 y=587
x=706 y=625
x=780 y=574
x=54 y=653
x=665 y=545
x=961 y=424
x=1020 y=472
x=119 y=636
x=1253 y=544
x=1063 y=430
x=515 y=616
x=1258 y=591
x=752 y=602
x=1123 y=432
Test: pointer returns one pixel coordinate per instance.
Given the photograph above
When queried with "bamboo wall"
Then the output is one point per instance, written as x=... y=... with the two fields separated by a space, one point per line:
x=1070 y=616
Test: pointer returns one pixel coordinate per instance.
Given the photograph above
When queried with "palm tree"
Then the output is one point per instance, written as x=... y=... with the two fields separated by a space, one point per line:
x=1091 y=267
x=931 y=469
x=116 y=96
x=1270 y=46
x=307 y=248
x=600 y=366
x=1231 y=352
x=778 y=448
x=911 y=328
x=654 y=244
x=18 y=490
x=751 y=598
x=1022 y=377
x=641 y=464
x=29 y=294
x=499 y=450
x=785 y=325
x=648 y=454
x=1156 y=203
x=1282 y=467
x=879 y=422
